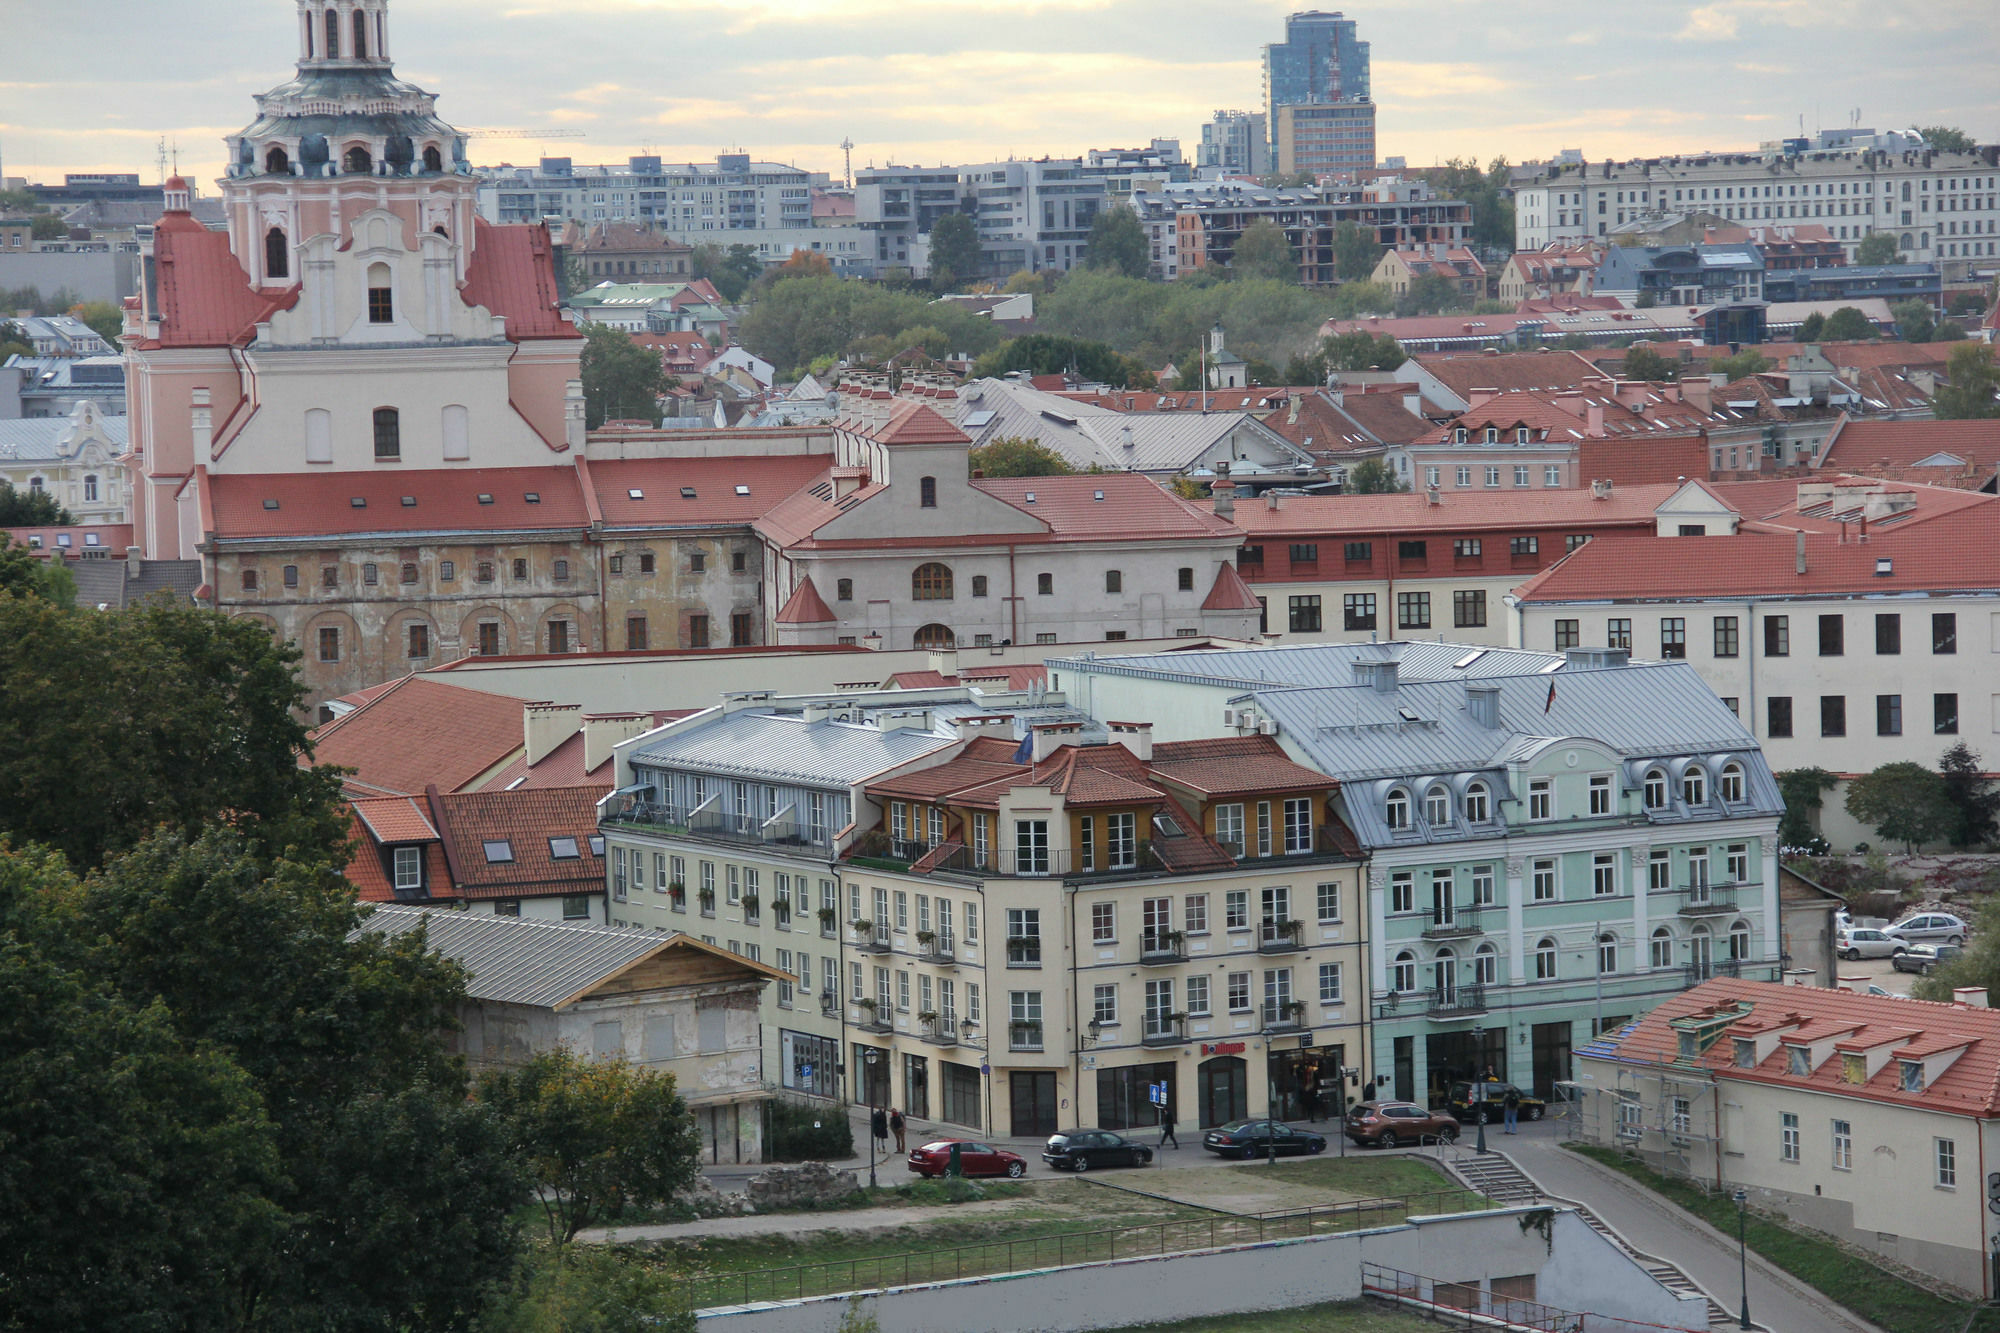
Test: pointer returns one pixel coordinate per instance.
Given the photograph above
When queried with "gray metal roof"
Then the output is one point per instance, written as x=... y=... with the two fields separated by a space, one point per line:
x=41 y=439
x=1318 y=663
x=519 y=960
x=768 y=747
x=1085 y=433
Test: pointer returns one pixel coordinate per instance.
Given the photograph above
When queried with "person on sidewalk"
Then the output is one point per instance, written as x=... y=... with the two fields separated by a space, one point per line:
x=1510 y=1108
x=896 y=1128
x=878 y=1125
x=1167 y=1134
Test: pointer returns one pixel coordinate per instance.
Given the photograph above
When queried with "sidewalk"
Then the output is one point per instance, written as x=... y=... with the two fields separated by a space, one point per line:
x=1778 y=1301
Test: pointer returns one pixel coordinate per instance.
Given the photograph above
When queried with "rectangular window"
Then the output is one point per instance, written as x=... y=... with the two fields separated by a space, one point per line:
x=1788 y=1136
x=1944 y=632
x=1305 y=553
x=1482 y=886
x=1778 y=716
x=1305 y=614
x=1726 y=641
x=1833 y=715
x=1031 y=846
x=1024 y=936
x=1024 y=1020
x=1832 y=635
x=1239 y=992
x=1358 y=552
x=1413 y=610
x=1402 y=892
x=1467 y=548
x=1524 y=545
x=1947 y=1164
x=1604 y=874
x=1568 y=634
x=409 y=869
x=1195 y=913
x=1843 y=1146
x=1358 y=611
x=635 y=633
x=1411 y=552
x=697 y=631
x=1468 y=608
x=1197 y=995
x=1888 y=634
x=329 y=644
x=1543 y=881
x=1888 y=715
x=1103 y=923
x=1618 y=633
x=1777 y=636
x=1673 y=637
x=1329 y=904
x=1298 y=829
x=1600 y=794
x=1236 y=909
x=1104 y=1005
x=1541 y=798
x=1944 y=714
x=1659 y=870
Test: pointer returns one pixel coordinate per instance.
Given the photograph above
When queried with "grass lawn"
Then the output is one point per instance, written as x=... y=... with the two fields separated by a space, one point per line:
x=1339 y=1317
x=1364 y=1177
x=909 y=1194
x=1871 y=1292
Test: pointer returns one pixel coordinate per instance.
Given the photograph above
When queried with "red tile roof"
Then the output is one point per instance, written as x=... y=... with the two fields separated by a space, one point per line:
x=526 y=819
x=662 y=484
x=1005 y=677
x=394 y=819
x=1132 y=506
x=368 y=870
x=512 y=273
x=1773 y=504
x=418 y=733
x=1546 y=369
x=112 y=537
x=1456 y=510
x=1644 y=461
x=806 y=607
x=1230 y=592
x=202 y=297
x=563 y=766
x=1233 y=765
x=447 y=500
x=1904 y=443
x=913 y=422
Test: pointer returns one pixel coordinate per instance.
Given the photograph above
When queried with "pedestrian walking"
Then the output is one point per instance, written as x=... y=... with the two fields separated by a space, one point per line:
x=1167 y=1134
x=1510 y=1107
x=878 y=1124
x=896 y=1128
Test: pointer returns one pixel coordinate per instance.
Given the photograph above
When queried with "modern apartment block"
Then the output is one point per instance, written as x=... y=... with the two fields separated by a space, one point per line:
x=1556 y=841
x=1236 y=143
x=1198 y=225
x=1322 y=61
x=1324 y=139
x=733 y=193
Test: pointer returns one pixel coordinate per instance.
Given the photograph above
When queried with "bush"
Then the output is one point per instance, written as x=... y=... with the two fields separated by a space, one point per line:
x=791 y=1134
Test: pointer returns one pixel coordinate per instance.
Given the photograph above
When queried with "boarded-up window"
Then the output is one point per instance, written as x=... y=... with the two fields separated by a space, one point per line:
x=607 y=1040
x=713 y=1026
x=319 y=435
x=659 y=1038
x=457 y=434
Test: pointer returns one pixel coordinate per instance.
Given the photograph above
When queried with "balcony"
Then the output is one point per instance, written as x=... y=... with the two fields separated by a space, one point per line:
x=1287 y=1019
x=870 y=936
x=777 y=831
x=1024 y=1036
x=1163 y=1030
x=936 y=948
x=1458 y=1001
x=1024 y=951
x=1162 y=948
x=938 y=1031
x=954 y=858
x=1708 y=899
x=1322 y=843
x=1693 y=974
x=1452 y=923
x=1280 y=935
x=871 y=1019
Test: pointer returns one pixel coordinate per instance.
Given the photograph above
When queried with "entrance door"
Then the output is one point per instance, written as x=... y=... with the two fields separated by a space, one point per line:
x=1224 y=1090
x=1551 y=1057
x=1032 y=1093
x=1406 y=1068
x=873 y=1083
x=916 y=1087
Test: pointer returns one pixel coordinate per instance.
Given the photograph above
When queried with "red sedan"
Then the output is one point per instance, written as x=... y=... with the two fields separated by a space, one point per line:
x=975 y=1159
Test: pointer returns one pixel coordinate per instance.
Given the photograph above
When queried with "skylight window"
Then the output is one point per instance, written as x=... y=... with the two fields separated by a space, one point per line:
x=499 y=851
x=743 y=490
x=687 y=492
x=563 y=849
x=635 y=494
x=597 y=844
x=90 y=539
x=62 y=539
x=532 y=497
x=270 y=504
x=1030 y=497
x=359 y=501
x=485 y=498
x=1097 y=495
x=409 y=502
x=1467 y=660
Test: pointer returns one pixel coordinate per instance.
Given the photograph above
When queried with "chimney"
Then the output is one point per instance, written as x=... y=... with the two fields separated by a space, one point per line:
x=134 y=562
x=201 y=423
x=1125 y=436
x=546 y=725
x=904 y=719
x=1431 y=496
x=1482 y=702
x=738 y=701
x=944 y=661
x=573 y=415
x=603 y=731
x=1799 y=556
x=1413 y=403
x=1223 y=492
x=1052 y=736
x=1972 y=997
x=1600 y=489
x=1134 y=736
x=1477 y=397
x=1697 y=392
x=992 y=724
x=1271 y=499
x=1594 y=421
x=1854 y=981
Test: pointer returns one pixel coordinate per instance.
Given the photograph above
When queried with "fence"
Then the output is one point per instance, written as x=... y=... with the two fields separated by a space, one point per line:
x=1075 y=1247
x=1470 y=1305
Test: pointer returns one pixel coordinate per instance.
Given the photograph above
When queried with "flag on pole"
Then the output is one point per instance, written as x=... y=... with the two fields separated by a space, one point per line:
x=1550 y=702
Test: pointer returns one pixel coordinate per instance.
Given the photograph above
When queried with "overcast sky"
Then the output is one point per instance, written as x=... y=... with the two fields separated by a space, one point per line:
x=92 y=85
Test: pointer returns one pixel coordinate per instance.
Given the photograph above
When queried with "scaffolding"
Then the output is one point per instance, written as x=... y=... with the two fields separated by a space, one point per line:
x=1664 y=1115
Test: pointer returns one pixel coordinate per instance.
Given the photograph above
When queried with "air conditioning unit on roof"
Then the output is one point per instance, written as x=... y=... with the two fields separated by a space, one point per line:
x=1230 y=717
x=1267 y=728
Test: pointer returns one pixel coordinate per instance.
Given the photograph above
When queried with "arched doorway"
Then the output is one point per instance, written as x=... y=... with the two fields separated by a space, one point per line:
x=1222 y=1088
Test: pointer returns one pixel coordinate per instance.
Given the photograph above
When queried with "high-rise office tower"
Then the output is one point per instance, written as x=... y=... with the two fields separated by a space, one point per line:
x=1321 y=62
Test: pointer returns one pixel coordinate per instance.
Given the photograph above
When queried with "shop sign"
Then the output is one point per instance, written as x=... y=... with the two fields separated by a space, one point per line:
x=1222 y=1048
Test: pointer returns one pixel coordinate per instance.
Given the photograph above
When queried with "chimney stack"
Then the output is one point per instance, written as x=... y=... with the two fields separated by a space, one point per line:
x=1052 y=736
x=1799 y=556
x=546 y=725
x=1134 y=736
x=1223 y=492
x=134 y=562
x=603 y=731
x=1972 y=997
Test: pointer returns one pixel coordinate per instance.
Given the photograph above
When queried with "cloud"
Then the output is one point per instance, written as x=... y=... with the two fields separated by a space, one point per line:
x=1710 y=23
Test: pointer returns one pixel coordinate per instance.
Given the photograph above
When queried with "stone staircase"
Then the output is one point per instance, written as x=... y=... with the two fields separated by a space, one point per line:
x=1496 y=1176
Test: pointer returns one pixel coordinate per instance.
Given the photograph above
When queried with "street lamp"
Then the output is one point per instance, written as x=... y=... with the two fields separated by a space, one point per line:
x=1479 y=1046
x=1742 y=1198
x=869 y=1059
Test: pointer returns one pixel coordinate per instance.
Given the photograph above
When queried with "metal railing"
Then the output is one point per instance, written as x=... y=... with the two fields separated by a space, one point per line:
x=1279 y=935
x=833 y=1277
x=777 y=832
x=1472 y=1305
x=1160 y=1030
x=939 y=951
x=1057 y=863
x=1466 y=999
x=1452 y=922
x=1706 y=899
x=1162 y=947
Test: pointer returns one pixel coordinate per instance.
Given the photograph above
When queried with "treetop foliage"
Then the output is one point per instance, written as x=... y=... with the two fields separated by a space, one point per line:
x=1118 y=243
x=1055 y=354
x=800 y=318
x=1972 y=390
x=1018 y=456
x=622 y=381
x=31 y=509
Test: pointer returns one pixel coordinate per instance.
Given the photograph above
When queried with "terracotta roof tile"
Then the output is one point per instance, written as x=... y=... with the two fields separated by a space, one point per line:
x=447 y=500
x=1131 y=506
x=1235 y=764
x=512 y=273
x=806 y=606
x=1230 y=592
x=527 y=820
x=913 y=422
x=1646 y=461
x=1333 y=515
x=203 y=298
x=663 y=486
x=1514 y=370
x=1904 y=443
x=419 y=733
x=394 y=819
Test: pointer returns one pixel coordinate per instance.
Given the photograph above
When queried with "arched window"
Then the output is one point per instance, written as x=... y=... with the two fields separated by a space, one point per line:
x=1656 y=789
x=1694 y=786
x=934 y=636
x=1493 y=435
x=1701 y=953
x=927 y=492
x=360 y=35
x=1486 y=965
x=277 y=254
x=1731 y=786
x=1545 y=960
x=1396 y=810
x=278 y=162
x=1437 y=805
x=34 y=483
x=1662 y=954
x=931 y=583
x=1404 y=977
x=1478 y=806
x=1739 y=941
x=381 y=297
x=388 y=433
x=332 y=34
x=1444 y=973
x=433 y=159
x=356 y=161
x=1607 y=952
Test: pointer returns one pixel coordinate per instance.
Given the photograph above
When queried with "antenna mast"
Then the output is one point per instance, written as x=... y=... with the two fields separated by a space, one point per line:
x=847 y=147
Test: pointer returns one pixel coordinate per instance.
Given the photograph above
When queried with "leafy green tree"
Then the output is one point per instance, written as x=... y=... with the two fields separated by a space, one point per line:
x=1263 y=252
x=1915 y=323
x=1948 y=331
x=1903 y=802
x=116 y=723
x=1429 y=294
x=797 y=319
x=599 y=1136
x=591 y=1289
x=1361 y=350
x=1744 y=364
x=1018 y=456
x=1946 y=139
x=1645 y=300
x=1977 y=965
x=1352 y=300
x=1118 y=243
x=1877 y=247
x=1973 y=800
x=730 y=270
x=13 y=342
x=105 y=319
x=1848 y=324
x=1802 y=790
x=1031 y=282
x=1972 y=383
x=955 y=254
x=1355 y=251
x=1643 y=363
x=621 y=380
x=1054 y=354
x=1371 y=476
x=1812 y=328
x=48 y=227
x=1487 y=190
x=31 y=509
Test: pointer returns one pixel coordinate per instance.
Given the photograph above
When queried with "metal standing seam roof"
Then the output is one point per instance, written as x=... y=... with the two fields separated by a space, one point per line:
x=769 y=747
x=40 y=439
x=518 y=960
x=1318 y=663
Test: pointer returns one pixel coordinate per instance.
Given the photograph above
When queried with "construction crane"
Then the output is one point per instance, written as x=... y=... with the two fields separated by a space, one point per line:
x=523 y=134
x=847 y=147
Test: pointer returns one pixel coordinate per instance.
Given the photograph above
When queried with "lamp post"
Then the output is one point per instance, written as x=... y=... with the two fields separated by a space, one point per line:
x=1479 y=1046
x=869 y=1059
x=1742 y=1198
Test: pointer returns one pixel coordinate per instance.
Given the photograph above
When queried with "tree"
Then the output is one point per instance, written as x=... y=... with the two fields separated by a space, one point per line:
x=1018 y=456
x=1643 y=363
x=1848 y=324
x=1972 y=383
x=599 y=1136
x=48 y=227
x=1054 y=354
x=1915 y=323
x=1118 y=243
x=1429 y=294
x=1361 y=350
x=1812 y=328
x=1975 y=803
x=1977 y=965
x=1355 y=252
x=1744 y=364
x=1877 y=247
x=591 y=1289
x=106 y=320
x=1903 y=802
x=796 y=320
x=955 y=254
x=621 y=380
x=1351 y=300
x=1801 y=789
x=1371 y=476
x=31 y=509
x=13 y=342
x=730 y=271
x=1946 y=139
x=24 y=574
x=1263 y=252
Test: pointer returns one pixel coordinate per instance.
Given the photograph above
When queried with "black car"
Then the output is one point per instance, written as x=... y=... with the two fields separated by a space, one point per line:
x=1463 y=1103
x=1255 y=1138
x=1085 y=1149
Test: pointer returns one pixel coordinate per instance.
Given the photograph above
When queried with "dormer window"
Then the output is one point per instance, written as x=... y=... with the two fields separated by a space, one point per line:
x=1493 y=435
x=1687 y=1047
x=1478 y=804
x=1854 y=1069
x=1458 y=436
x=1521 y=435
x=1746 y=1053
x=1656 y=789
x=1694 y=787
x=1396 y=810
x=1731 y=785
x=1437 y=806
x=409 y=869
x=1912 y=1075
x=1798 y=1060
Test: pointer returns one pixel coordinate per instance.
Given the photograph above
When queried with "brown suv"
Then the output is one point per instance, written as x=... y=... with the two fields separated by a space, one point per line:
x=1386 y=1124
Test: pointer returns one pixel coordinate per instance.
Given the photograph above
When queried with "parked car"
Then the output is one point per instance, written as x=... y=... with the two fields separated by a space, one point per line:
x=1928 y=927
x=1085 y=1149
x=1460 y=1100
x=1386 y=1124
x=1867 y=942
x=1923 y=959
x=975 y=1159
x=1256 y=1138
